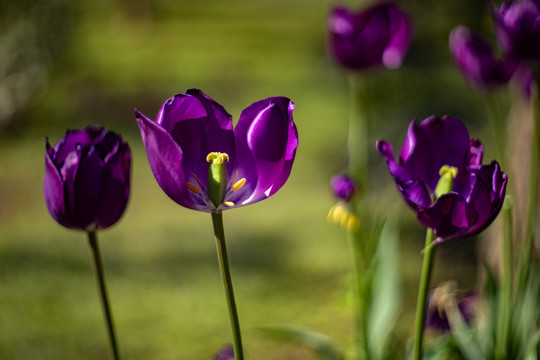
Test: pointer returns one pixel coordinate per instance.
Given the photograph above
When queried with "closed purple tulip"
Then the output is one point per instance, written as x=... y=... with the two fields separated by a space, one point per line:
x=379 y=35
x=517 y=27
x=477 y=192
x=474 y=57
x=87 y=178
x=343 y=187
x=192 y=130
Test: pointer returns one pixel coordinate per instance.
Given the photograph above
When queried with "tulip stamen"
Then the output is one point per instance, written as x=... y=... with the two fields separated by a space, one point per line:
x=228 y=203
x=193 y=188
x=239 y=184
x=234 y=179
x=197 y=179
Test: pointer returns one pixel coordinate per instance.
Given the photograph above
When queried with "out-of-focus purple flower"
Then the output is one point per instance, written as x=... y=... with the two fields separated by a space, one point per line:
x=474 y=57
x=379 y=35
x=87 y=178
x=191 y=129
x=225 y=353
x=517 y=27
x=343 y=187
x=444 y=298
x=477 y=192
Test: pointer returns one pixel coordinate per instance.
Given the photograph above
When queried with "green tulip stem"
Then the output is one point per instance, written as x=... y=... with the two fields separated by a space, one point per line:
x=532 y=195
x=358 y=141
x=102 y=289
x=506 y=273
x=425 y=277
x=217 y=221
x=498 y=124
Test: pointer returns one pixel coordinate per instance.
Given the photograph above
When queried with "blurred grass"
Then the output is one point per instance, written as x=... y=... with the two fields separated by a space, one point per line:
x=288 y=264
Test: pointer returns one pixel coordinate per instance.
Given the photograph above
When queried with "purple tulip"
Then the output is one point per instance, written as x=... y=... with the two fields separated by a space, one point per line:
x=225 y=353
x=474 y=57
x=343 y=187
x=517 y=27
x=87 y=178
x=438 y=301
x=379 y=35
x=477 y=192
x=192 y=129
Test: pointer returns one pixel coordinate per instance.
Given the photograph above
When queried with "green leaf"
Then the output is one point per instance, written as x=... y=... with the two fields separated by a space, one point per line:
x=385 y=290
x=319 y=343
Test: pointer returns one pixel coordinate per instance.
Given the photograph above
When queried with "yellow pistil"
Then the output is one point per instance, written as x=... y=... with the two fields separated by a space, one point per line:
x=217 y=158
x=446 y=181
x=193 y=188
x=216 y=186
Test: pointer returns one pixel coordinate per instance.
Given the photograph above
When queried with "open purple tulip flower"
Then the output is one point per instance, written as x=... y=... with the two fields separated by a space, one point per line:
x=379 y=35
x=192 y=132
x=201 y=163
x=475 y=58
x=439 y=151
x=517 y=29
x=87 y=178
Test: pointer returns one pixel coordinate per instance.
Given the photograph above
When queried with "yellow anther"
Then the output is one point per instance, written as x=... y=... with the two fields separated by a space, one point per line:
x=217 y=158
x=193 y=188
x=239 y=184
x=228 y=203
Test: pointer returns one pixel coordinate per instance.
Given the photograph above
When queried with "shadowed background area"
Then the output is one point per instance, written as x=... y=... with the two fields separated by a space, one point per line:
x=65 y=64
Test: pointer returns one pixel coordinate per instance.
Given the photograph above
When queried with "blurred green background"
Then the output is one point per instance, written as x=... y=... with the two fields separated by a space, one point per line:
x=69 y=63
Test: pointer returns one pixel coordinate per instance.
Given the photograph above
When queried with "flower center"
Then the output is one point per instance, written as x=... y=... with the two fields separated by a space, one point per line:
x=446 y=181
x=217 y=188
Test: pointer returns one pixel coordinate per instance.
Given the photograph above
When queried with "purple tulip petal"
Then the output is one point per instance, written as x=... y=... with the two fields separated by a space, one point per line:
x=475 y=58
x=412 y=188
x=199 y=126
x=432 y=144
x=115 y=189
x=53 y=189
x=448 y=216
x=86 y=189
x=401 y=30
x=166 y=161
x=266 y=142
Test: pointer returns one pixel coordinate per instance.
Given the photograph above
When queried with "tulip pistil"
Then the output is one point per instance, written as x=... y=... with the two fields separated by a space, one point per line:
x=446 y=181
x=217 y=177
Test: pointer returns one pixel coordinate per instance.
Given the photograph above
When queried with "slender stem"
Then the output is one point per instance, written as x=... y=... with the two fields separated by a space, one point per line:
x=358 y=141
x=425 y=276
x=532 y=195
x=498 y=124
x=102 y=289
x=223 y=259
x=506 y=273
